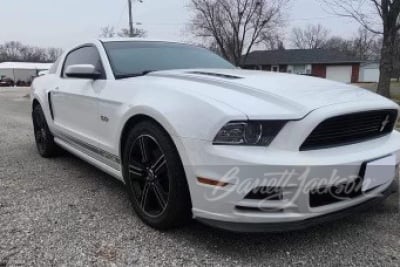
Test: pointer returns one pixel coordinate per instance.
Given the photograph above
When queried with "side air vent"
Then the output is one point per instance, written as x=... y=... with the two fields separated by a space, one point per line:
x=219 y=75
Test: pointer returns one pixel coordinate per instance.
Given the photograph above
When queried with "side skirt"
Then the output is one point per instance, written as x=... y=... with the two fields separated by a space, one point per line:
x=107 y=165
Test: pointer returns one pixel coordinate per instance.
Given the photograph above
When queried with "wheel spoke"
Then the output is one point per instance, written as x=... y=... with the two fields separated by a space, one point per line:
x=143 y=149
x=159 y=195
x=145 y=195
x=161 y=162
x=146 y=162
x=136 y=171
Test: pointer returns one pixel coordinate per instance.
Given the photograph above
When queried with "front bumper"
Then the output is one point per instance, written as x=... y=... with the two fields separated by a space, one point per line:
x=294 y=212
x=302 y=224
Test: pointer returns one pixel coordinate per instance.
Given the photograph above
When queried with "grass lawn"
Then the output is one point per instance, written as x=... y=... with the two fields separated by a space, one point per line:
x=394 y=89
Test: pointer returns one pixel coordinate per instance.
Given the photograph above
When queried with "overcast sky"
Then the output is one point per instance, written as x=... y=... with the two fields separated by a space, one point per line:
x=63 y=23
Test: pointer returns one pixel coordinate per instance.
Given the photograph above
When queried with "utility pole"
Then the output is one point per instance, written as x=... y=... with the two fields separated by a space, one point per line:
x=130 y=19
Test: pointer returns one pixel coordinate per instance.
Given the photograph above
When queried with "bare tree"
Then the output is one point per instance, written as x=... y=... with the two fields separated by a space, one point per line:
x=340 y=44
x=12 y=50
x=312 y=37
x=377 y=47
x=365 y=12
x=16 y=51
x=109 y=32
x=236 y=26
x=33 y=54
x=136 y=33
x=363 y=44
x=273 y=41
x=53 y=54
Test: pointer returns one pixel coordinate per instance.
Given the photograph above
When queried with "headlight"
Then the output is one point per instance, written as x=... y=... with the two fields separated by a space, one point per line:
x=253 y=133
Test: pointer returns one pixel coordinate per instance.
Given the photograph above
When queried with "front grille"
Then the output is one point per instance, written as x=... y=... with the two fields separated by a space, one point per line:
x=351 y=128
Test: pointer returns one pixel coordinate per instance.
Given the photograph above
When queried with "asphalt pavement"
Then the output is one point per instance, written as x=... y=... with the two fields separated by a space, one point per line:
x=63 y=211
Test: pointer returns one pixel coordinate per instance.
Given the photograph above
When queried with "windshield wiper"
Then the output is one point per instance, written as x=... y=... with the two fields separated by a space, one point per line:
x=130 y=75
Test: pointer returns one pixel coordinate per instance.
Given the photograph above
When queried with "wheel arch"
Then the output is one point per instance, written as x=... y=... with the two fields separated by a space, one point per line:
x=184 y=188
x=35 y=102
x=129 y=124
x=137 y=118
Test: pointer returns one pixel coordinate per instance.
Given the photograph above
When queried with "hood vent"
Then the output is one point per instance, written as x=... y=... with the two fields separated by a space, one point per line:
x=218 y=75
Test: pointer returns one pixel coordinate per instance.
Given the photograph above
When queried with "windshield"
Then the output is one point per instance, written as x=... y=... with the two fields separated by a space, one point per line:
x=139 y=58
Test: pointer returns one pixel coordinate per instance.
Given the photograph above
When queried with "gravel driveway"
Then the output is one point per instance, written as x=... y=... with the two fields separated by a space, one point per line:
x=64 y=212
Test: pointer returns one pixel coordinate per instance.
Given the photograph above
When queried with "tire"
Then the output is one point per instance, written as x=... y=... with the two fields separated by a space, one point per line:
x=43 y=137
x=155 y=178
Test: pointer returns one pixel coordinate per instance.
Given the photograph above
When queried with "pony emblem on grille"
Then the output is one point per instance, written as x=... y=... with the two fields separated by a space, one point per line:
x=385 y=123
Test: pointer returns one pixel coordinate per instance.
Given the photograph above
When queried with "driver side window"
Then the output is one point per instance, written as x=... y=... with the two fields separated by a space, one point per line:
x=84 y=55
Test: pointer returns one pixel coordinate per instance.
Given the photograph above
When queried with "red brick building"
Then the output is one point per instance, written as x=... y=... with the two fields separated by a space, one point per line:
x=329 y=64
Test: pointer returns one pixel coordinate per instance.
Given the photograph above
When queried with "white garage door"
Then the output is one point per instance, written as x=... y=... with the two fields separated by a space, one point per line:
x=369 y=75
x=339 y=73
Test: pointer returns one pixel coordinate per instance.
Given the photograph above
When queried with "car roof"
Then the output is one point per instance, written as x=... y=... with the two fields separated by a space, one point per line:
x=107 y=40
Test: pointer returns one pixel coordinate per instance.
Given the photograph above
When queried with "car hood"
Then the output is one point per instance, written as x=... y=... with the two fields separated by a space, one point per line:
x=257 y=93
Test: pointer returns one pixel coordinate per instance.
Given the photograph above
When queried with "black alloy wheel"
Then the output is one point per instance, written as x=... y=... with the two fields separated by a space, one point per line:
x=155 y=177
x=148 y=172
x=43 y=137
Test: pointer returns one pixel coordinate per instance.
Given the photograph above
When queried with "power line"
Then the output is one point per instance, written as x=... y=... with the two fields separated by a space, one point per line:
x=120 y=16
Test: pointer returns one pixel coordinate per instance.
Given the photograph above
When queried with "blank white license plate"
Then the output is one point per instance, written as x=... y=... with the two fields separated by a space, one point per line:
x=379 y=172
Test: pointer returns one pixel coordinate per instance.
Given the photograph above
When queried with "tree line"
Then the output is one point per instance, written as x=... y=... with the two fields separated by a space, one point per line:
x=16 y=51
x=364 y=45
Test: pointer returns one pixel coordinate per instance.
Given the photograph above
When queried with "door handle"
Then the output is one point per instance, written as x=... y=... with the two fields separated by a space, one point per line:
x=57 y=88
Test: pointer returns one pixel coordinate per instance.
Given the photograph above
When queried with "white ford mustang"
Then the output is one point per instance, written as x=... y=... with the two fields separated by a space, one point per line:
x=191 y=136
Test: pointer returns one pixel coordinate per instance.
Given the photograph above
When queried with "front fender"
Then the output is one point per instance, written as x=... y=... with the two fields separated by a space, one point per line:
x=41 y=96
x=182 y=115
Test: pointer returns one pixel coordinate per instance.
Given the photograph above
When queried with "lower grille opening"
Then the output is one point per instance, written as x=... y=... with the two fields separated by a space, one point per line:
x=265 y=193
x=256 y=209
x=334 y=194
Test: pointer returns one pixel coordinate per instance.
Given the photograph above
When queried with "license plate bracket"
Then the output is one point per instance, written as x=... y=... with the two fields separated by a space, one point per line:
x=378 y=172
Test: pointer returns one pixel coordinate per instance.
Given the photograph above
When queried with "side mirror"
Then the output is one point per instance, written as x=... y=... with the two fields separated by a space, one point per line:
x=82 y=71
